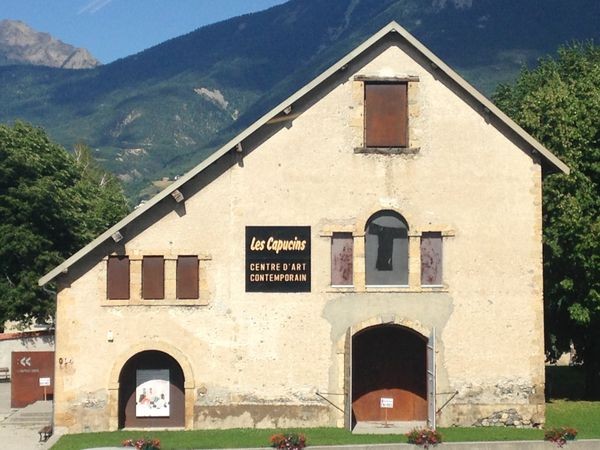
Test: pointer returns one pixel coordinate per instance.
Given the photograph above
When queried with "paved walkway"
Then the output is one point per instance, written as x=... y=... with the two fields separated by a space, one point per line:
x=19 y=427
x=509 y=445
x=390 y=427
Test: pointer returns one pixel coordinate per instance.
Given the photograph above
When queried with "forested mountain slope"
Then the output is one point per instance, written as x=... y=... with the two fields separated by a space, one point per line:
x=161 y=111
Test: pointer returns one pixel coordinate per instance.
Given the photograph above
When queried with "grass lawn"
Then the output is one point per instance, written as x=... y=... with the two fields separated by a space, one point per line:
x=584 y=416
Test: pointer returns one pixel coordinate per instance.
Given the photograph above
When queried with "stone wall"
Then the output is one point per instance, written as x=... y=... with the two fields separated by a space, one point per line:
x=469 y=180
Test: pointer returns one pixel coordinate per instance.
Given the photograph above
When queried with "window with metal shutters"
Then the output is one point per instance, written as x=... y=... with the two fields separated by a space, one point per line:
x=386 y=115
x=342 y=254
x=187 y=277
x=431 y=259
x=153 y=277
x=117 y=278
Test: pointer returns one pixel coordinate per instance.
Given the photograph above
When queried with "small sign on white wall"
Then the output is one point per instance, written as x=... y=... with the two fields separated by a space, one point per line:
x=386 y=402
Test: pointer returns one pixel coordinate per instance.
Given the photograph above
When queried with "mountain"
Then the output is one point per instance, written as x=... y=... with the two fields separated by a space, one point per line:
x=21 y=44
x=159 y=112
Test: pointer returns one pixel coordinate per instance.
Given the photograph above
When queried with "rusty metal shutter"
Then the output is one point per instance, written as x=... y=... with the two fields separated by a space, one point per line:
x=153 y=277
x=187 y=277
x=342 y=245
x=117 y=278
x=386 y=115
x=431 y=259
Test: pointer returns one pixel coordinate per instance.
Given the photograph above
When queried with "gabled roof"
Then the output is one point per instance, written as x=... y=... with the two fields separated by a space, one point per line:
x=393 y=27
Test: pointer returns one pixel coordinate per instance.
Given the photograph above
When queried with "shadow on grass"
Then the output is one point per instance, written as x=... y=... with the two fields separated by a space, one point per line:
x=565 y=382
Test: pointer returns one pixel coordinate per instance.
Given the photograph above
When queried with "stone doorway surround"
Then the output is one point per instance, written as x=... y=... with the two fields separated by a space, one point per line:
x=177 y=355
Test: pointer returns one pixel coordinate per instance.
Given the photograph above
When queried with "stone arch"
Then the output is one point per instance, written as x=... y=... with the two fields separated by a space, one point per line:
x=392 y=319
x=364 y=217
x=125 y=356
x=174 y=352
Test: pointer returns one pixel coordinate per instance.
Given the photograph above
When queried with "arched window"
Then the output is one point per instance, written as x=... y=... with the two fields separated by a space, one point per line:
x=386 y=249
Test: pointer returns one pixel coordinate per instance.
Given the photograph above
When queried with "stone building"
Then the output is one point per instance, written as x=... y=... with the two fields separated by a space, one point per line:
x=372 y=246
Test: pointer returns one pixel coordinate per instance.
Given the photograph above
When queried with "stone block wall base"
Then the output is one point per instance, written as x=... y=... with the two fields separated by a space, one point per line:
x=469 y=415
x=261 y=416
x=81 y=420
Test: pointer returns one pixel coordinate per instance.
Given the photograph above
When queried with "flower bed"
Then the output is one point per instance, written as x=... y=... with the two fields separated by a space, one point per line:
x=424 y=437
x=560 y=435
x=142 y=444
x=288 y=441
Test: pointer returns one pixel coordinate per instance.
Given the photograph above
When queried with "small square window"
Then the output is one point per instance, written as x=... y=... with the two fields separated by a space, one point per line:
x=431 y=259
x=342 y=254
x=386 y=115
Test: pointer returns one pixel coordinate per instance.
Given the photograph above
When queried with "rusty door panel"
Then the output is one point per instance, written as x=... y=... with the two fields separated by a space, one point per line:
x=117 y=278
x=386 y=115
x=153 y=277
x=407 y=406
x=348 y=414
x=389 y=361
x=26 y=370
x=431 y=381
x=187 y=277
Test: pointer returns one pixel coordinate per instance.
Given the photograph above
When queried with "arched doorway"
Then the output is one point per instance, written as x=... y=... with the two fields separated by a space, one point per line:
x=389 y=361
x=151 y=391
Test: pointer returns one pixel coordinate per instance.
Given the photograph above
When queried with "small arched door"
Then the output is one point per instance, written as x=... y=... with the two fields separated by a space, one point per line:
x=389 y=361
x=151 y=391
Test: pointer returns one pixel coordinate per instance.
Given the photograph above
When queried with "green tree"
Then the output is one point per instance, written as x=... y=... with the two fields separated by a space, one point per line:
x=51 y=204
x=559 y=103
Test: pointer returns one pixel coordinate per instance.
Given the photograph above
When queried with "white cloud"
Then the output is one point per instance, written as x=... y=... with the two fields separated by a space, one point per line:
x=93 y=6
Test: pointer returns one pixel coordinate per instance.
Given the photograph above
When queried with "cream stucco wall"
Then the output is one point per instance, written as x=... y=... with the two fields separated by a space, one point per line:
x=258 y=359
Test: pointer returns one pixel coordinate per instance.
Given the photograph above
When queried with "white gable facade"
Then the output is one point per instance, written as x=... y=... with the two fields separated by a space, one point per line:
x=332 y=282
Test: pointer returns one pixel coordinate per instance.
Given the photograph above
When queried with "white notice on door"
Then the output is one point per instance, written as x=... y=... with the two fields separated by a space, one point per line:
x=386 y=402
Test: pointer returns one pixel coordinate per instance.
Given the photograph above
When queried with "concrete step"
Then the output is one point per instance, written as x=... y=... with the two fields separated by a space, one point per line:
x=25 y=420
x=37 y=415
x=391 y=427
x=39 y=406
x=28 y=418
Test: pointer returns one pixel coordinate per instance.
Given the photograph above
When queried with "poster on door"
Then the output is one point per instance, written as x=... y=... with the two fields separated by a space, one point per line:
x=152 y=393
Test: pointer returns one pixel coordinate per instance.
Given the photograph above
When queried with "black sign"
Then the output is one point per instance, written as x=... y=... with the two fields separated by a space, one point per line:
x=277 y=259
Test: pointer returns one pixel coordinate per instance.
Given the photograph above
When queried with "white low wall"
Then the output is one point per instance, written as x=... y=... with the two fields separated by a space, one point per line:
x=23 y=342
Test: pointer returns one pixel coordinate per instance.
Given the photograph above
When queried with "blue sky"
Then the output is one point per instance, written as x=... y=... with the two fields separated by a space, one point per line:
x=112 y=29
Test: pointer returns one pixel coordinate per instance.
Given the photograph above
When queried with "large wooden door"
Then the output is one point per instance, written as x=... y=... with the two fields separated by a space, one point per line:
x=389 y=361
